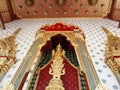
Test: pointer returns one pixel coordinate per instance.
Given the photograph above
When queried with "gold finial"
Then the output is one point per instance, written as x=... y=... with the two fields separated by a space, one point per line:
x=59 y=47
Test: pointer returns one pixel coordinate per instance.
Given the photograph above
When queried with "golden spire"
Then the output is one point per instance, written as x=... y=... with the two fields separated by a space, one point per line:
x=112 y=52
x=7 y=52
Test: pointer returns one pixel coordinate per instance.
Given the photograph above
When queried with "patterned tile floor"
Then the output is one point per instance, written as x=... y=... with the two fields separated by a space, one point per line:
x=95 y=40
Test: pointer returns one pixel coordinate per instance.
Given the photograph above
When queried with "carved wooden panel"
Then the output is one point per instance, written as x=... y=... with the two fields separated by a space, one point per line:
x=72 y=8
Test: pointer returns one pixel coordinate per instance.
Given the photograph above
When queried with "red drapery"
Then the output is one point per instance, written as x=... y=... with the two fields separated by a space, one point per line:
x=70 y=78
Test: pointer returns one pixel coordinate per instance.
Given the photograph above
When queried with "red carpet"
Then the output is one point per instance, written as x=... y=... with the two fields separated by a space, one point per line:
x=70 y=79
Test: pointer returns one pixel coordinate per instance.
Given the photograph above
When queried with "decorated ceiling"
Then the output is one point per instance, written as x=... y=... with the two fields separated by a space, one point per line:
x=61 y=8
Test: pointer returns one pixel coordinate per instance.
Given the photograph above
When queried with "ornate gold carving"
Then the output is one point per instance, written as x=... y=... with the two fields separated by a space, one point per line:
x=7 y=53
x=8 y=86
x=80 y=34
x=72 y=37
x=39 y=34
x=57 y=69
x=112 y=52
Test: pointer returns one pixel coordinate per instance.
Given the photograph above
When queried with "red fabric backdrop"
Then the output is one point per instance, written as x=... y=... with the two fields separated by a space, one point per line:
x=70 y=79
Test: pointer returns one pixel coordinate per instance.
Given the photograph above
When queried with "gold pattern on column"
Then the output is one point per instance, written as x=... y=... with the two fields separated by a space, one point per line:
x=57 y=69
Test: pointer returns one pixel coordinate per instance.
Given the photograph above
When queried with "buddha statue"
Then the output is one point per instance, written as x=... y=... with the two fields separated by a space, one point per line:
x=57 y=69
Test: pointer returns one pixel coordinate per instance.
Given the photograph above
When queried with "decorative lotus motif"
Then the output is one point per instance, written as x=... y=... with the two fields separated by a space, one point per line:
x=92 y=2
x=29 y=3
x=60 y=2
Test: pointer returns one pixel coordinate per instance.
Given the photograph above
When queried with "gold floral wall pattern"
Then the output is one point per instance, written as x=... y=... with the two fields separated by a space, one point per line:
x=92 y=2
x=60 y=2
x=29 y=3
x=61 y=8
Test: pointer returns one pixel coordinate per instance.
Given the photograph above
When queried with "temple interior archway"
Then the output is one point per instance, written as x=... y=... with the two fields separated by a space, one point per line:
x=42 y=77
x=98 y=51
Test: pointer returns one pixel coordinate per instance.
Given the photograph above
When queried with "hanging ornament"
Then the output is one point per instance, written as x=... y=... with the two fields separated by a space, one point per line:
x=29 y=3
x=92 y=2
x=60 y=2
